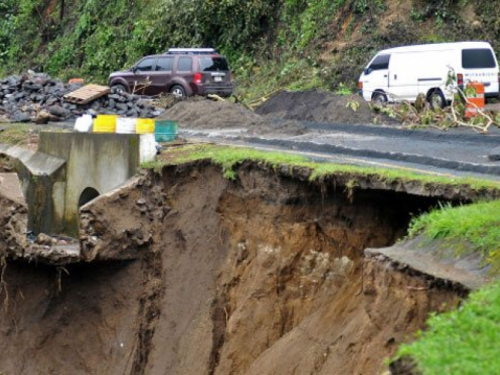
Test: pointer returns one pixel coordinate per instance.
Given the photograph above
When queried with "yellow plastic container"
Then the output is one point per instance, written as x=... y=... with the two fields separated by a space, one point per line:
x=105 y=124
x=145 y=126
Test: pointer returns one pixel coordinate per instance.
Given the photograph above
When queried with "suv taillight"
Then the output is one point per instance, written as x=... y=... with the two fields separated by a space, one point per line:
x=197 y=78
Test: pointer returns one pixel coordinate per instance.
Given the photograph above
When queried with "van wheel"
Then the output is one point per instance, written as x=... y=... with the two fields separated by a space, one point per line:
x=178 y=91
x=436 y=99
x=379 y=98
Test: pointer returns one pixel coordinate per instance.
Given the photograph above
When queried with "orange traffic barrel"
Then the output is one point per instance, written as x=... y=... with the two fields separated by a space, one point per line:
x=474 y=98
x=76 y=80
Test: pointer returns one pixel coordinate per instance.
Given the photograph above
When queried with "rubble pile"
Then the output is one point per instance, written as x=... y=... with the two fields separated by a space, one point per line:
x=36 y=97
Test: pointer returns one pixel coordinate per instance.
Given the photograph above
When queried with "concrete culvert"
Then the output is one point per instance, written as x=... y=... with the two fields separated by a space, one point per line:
x=87 y=195
x=265 y=274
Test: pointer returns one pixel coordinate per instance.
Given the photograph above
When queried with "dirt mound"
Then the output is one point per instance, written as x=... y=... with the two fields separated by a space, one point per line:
x=283 y=113
x=264 y=274
x=320 y=106
x=209 y=114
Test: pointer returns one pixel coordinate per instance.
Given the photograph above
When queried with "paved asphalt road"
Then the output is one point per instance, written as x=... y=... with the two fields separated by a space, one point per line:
x=454 y=153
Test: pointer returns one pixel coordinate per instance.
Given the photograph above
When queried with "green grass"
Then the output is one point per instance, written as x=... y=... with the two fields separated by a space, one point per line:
x=228 y=157
x=15 y=134
x=477 y=224
x=462 y=341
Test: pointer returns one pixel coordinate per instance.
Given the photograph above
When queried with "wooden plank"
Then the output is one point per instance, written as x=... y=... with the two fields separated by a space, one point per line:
x=86 y=94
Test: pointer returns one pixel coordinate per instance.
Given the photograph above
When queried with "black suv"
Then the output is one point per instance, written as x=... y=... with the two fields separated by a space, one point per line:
x=179 y=71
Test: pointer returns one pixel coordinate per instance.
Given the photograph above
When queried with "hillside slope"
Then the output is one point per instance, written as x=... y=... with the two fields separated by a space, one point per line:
x=293 y=44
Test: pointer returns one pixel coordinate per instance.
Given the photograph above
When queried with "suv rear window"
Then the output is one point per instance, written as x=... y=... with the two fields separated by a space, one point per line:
x=380 y=62
x=213 y=64
x=477 y=58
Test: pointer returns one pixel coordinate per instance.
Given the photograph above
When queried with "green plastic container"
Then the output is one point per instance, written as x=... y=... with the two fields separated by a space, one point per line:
x=165 y=131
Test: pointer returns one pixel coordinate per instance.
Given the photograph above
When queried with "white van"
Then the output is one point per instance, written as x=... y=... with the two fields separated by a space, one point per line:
x=402 y=73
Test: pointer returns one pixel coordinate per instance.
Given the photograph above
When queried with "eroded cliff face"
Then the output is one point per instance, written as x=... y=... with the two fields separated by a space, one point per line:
x=13 y=215
x=264 y=274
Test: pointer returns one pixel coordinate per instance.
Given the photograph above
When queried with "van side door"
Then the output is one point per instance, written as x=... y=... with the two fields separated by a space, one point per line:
x=375 y=76
x=403 y=72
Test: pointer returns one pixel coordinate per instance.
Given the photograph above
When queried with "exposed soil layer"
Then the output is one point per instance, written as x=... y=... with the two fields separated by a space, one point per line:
x=261 y=275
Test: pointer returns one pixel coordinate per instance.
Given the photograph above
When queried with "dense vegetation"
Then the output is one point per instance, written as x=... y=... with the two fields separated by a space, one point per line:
x=271 y=44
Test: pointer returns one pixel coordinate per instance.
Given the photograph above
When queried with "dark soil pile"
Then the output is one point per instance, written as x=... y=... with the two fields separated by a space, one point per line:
x=208 y=114
x=320 y=106
x=283 y=113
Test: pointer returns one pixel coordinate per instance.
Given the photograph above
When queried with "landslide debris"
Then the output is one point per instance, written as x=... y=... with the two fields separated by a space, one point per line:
x=262 y=274
x=13 y=215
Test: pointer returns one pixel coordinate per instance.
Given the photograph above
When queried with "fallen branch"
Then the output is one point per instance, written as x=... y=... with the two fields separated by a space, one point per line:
x=216 y=97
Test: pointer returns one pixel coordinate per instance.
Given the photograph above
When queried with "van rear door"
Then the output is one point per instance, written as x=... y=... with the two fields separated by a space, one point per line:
x=480 y=64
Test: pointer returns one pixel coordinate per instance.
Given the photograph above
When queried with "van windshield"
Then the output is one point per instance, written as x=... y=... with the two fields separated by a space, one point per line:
x=380 y=62
x=478 y=58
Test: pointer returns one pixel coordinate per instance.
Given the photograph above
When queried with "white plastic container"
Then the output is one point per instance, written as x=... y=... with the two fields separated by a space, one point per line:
x=147 y=148
x=125 y=125
x=83 y=124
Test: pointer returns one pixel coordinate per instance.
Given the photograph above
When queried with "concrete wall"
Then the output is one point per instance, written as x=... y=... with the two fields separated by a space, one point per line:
x=43 y=183
x=71 y=168
x=97 y=161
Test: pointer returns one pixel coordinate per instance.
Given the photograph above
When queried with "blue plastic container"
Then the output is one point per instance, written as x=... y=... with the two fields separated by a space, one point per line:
x=165 y=131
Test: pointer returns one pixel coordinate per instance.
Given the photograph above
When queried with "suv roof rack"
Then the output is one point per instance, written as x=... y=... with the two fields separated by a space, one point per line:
x=194 y=51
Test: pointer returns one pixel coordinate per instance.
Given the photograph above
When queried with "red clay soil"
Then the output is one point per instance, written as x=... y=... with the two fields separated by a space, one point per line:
x=261 y=275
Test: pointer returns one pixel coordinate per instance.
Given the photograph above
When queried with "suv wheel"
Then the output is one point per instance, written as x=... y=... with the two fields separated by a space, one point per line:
x=119 y=88
x=178 y=91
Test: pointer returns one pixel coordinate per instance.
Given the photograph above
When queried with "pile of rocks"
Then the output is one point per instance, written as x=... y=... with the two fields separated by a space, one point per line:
x=36 y=97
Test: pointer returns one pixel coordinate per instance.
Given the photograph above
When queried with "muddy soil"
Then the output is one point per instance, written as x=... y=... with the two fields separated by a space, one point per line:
x=261 y=275
x=280 y=114
x=321 y=106
x=209 y=114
